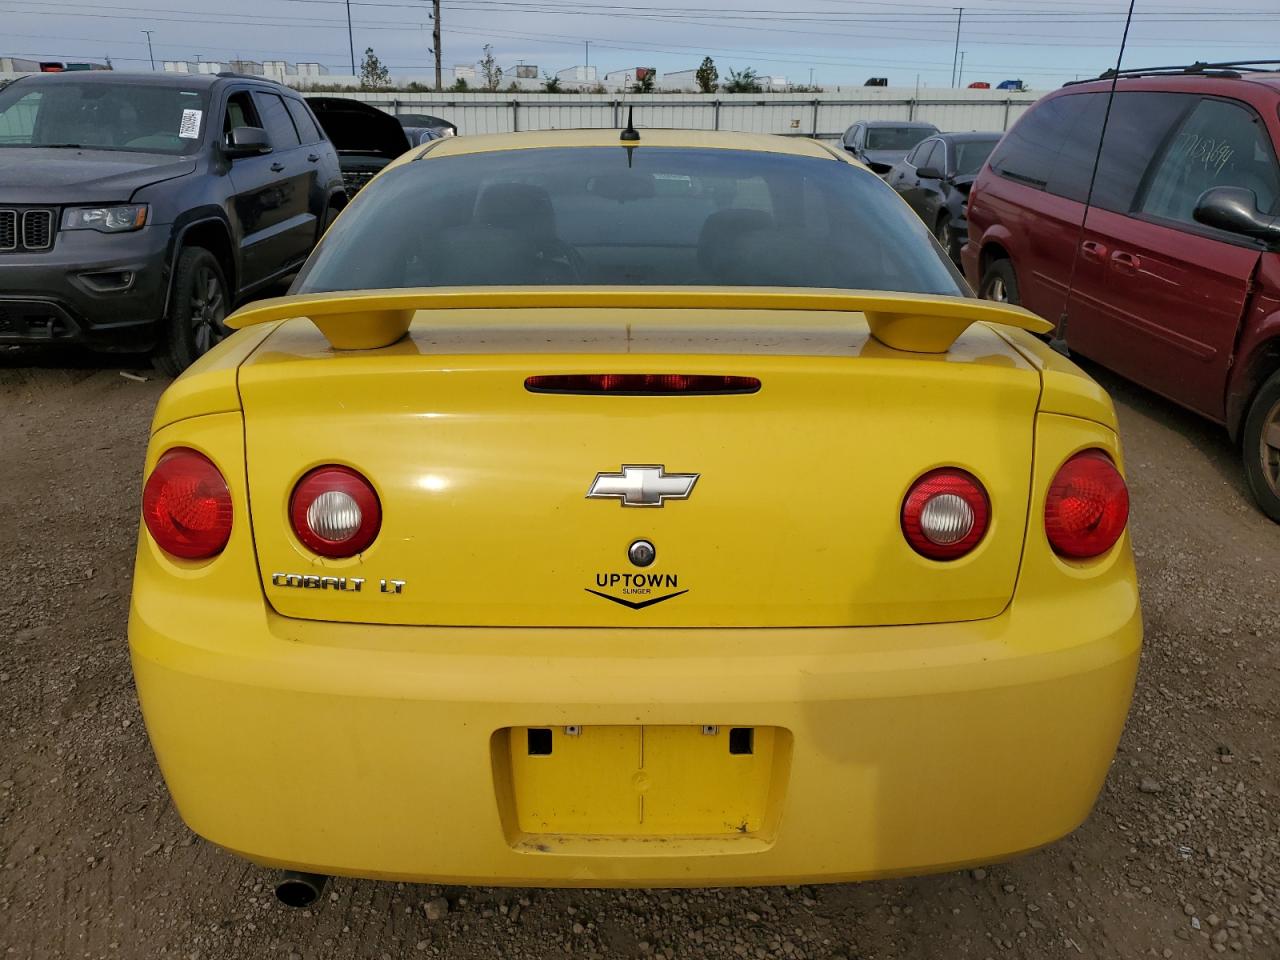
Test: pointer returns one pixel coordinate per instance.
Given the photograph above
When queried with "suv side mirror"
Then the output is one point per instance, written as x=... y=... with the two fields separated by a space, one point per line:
x=929 y=173
x=245 y=142
x=1235 y=209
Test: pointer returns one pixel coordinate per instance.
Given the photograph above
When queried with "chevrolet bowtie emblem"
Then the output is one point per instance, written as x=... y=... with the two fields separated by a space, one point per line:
x=642 y=486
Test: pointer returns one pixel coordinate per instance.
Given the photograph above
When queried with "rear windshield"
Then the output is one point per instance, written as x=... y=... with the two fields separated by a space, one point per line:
x=641 y=216
x=972 y=154
x=896 y=138
x=131 y=117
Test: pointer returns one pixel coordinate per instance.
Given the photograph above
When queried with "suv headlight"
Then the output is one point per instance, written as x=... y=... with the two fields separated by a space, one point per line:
x=120 y=219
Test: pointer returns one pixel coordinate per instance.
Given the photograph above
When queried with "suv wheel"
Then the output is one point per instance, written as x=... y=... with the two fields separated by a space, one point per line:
x=1000 y=283
x=196 y=312
x=1262 y=447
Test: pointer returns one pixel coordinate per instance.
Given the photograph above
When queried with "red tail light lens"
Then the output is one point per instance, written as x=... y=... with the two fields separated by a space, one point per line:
x=335 y=512
x=640 y=384
x=946 y=514
x=186 y=505
x=1087 y=506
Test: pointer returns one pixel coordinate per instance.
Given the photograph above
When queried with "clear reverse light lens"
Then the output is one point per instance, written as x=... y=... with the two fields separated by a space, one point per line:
x=335 y=516
x=120 y=219
x=946 y=519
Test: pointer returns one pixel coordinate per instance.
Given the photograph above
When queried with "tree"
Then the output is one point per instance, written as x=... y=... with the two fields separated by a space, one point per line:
x=707 y=75
x=490 y=70
x=373 y=74
x=460 y=85
x=745 y=80
x=644 y=80
x=550 y=84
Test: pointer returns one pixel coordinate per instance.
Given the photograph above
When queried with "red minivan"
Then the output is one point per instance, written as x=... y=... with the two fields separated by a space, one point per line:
x=1175 y=276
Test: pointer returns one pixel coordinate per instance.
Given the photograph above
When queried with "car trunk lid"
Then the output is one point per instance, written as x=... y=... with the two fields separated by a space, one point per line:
x=793 y=520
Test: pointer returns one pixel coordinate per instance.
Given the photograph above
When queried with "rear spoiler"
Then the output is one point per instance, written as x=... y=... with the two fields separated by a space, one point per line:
x=368 y=319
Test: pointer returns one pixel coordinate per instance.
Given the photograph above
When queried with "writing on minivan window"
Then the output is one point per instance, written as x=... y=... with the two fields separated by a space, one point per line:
x=1209 y=152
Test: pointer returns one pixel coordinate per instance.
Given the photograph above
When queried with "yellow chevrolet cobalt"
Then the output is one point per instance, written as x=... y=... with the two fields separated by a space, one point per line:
x=632 y=512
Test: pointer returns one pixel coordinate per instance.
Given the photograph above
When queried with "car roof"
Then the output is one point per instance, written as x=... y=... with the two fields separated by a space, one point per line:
x=969 y=136
x=609 y=137
x=923 y=124
x=158 y=79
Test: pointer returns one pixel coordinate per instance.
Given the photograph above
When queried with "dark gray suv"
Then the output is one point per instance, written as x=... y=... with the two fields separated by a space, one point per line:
x=136 y=210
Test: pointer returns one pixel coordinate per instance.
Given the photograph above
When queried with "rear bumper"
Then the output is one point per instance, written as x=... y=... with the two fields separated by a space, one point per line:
x=374 y=751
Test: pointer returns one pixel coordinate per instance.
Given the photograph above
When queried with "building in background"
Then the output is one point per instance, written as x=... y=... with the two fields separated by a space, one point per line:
x=578 y=75
x=312 y=70
x=527 y=71
x=278 y=69
x=679 y=80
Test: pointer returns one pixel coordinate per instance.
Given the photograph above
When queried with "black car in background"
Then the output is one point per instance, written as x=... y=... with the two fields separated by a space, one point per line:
x=136 y=210
x=882 y=143
x=935 y=177
x=366 y=138
x=423 y=127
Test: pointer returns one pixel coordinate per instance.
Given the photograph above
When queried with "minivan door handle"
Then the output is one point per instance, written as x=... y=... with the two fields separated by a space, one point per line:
x=277 y=167
x=1092 y=250
x=1125 y=262
x=313 y=157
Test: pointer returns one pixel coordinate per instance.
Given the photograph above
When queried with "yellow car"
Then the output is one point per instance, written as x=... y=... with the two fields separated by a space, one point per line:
x=641 y=511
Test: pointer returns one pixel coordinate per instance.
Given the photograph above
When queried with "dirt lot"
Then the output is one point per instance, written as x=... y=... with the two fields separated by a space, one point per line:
x=1181 y=857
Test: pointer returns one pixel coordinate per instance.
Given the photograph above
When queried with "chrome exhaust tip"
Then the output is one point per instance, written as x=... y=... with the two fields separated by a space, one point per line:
x=299 y=890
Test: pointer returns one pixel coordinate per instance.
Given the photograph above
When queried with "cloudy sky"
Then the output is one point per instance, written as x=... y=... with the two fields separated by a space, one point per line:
x=1043 y=42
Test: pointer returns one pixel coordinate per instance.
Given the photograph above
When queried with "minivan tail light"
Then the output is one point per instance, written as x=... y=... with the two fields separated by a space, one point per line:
x=335 y=512
x=186 y=505
x=945 y=514
x=1087 y=506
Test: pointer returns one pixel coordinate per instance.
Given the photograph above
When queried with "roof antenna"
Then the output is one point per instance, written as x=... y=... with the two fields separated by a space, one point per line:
x=1059 y=339
x=630 y=133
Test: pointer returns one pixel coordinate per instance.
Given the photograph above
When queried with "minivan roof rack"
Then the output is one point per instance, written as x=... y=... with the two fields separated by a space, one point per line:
x=1229 y=69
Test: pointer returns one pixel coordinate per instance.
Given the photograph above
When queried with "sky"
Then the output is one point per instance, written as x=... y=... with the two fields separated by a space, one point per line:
x=834 y=42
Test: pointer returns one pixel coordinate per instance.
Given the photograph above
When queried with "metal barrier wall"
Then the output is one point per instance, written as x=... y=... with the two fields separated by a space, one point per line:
x=825 y=115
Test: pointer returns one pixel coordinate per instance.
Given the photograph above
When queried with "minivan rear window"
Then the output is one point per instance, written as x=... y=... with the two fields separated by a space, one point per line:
x=1053 y=147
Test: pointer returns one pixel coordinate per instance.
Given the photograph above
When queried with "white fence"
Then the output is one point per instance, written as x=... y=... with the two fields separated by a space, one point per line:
x=823 y=115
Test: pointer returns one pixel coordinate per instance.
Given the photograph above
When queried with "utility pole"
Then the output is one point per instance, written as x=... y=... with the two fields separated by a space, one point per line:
x=435 y=41
x=587 y=43
x=811 y=76
x=149 y=53
x=351 y=43
x=956 y=54
x=960 y=75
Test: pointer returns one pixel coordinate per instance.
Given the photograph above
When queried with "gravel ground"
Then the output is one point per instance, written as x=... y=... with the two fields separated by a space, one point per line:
x=1181 y=858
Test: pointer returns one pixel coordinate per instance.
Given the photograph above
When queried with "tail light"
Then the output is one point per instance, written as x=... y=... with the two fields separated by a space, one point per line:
x=335 y=512
x=946 y=514
x=641 y=384
x=186 y=505
x=1087 y=506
